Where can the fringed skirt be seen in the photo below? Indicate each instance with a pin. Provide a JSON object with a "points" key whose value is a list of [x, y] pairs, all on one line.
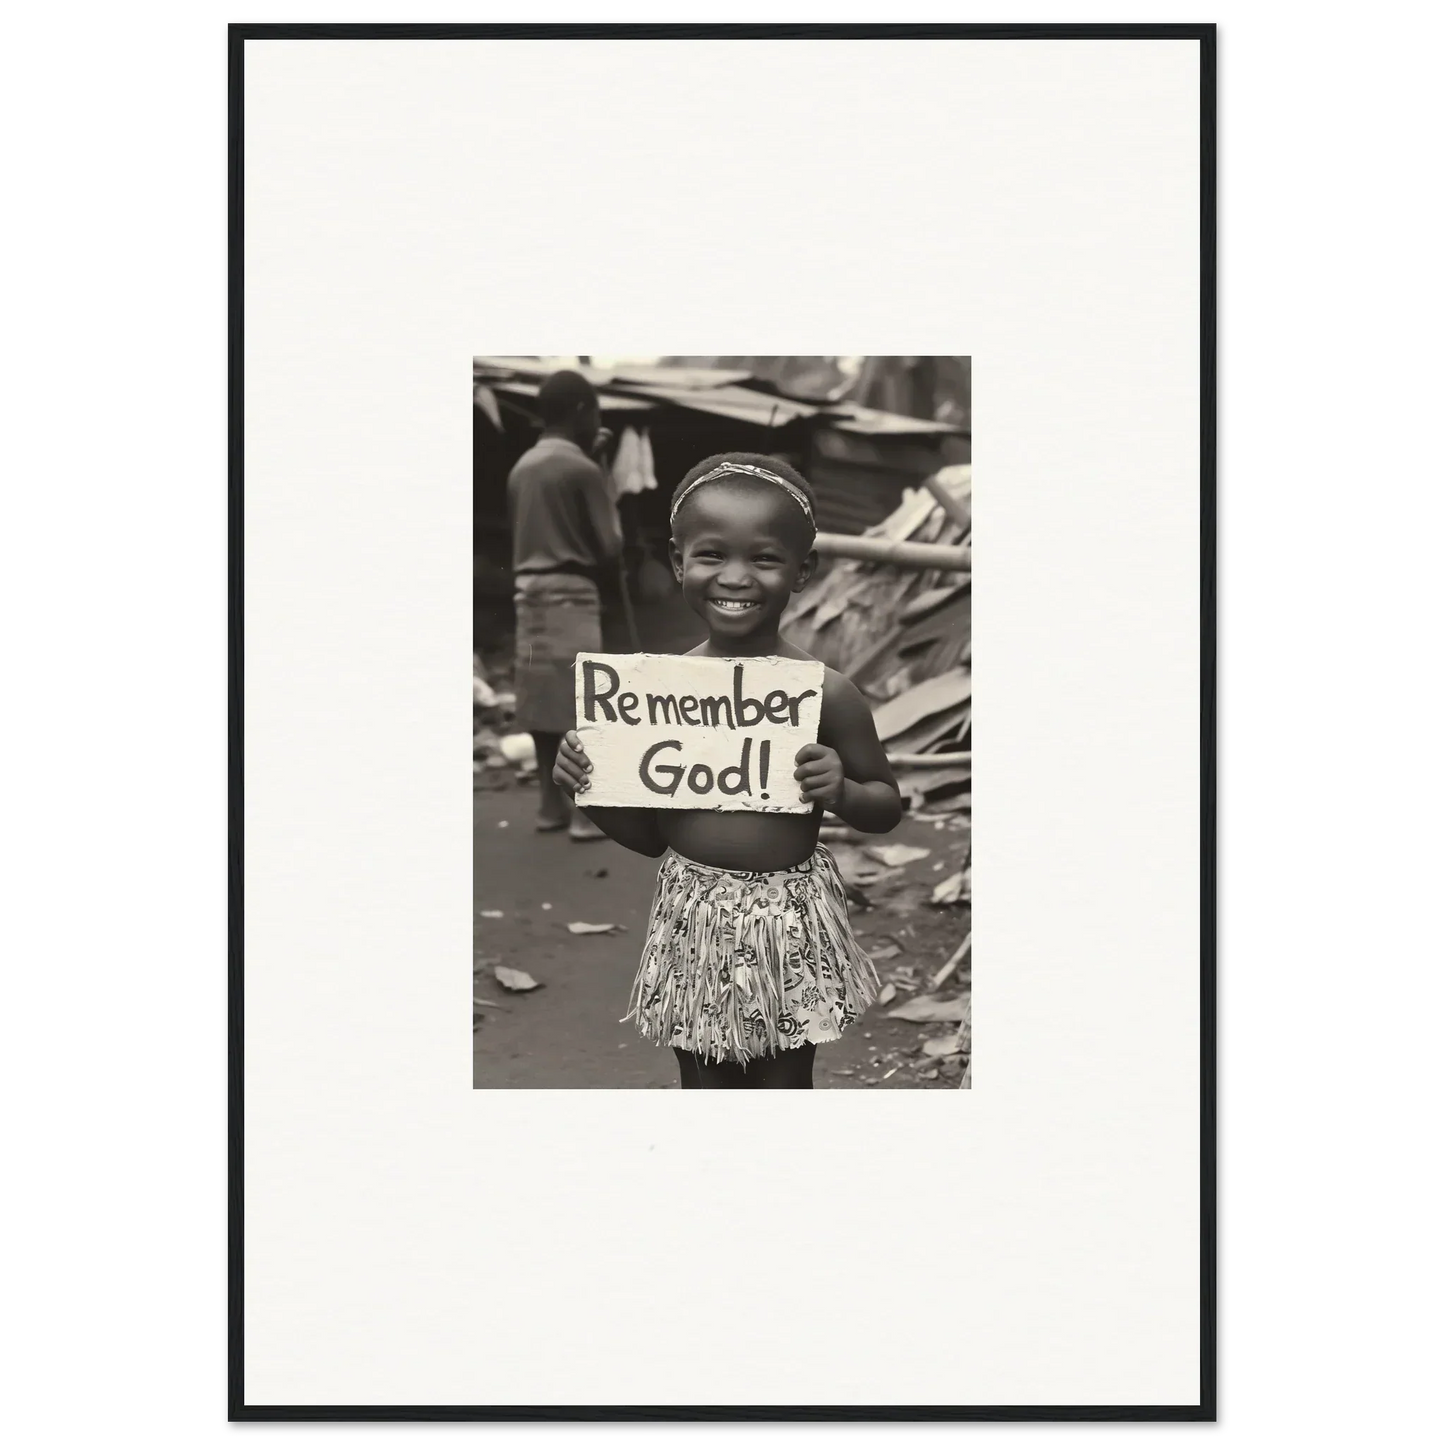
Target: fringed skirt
{"points": [[738, 965]]}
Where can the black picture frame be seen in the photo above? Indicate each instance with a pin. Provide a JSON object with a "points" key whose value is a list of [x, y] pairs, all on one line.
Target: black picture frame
{"points": [[1205, 1410]]}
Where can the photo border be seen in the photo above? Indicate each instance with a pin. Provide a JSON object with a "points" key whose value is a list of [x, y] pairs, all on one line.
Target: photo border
{"points": [[1205, 35]]}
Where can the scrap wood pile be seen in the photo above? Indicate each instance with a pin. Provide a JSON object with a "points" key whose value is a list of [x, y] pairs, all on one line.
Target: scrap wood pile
{"points": [[902, 634]]}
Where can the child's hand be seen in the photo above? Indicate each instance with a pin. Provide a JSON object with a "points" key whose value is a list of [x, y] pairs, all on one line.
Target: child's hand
{"points": [[820, 771], [572, 767]]}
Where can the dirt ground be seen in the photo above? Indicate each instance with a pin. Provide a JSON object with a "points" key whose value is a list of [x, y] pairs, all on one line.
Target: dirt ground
{"points": [[567, 1034]]}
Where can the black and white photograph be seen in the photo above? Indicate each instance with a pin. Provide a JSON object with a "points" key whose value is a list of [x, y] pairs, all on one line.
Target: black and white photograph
{"points": [[762, 565]]}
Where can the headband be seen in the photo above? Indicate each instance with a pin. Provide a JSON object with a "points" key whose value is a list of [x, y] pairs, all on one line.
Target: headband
{"points": [[799, 497]]}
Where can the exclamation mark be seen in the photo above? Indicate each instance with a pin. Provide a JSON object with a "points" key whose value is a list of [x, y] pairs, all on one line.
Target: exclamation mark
{"points": [[763, 766]]}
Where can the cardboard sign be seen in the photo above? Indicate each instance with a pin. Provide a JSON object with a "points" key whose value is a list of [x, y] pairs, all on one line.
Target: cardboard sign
{"points": [[696, 732]]}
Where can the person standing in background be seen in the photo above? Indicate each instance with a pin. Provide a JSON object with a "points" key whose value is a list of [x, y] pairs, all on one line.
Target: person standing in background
{"points": [[565, 531]]}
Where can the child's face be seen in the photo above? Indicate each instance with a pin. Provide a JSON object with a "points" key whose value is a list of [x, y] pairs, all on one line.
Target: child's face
{"points": [[739, 556]]}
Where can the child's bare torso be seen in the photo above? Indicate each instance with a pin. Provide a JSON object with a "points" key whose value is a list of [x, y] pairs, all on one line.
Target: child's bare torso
{"points": [[753, 842]]}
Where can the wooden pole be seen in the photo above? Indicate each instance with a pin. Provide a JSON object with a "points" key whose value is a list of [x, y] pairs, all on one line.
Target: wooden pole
{"points": [[627, 611], [948, 969], [918, 555]]}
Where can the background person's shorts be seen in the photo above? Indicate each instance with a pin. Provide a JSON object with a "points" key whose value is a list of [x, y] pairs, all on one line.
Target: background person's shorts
{"points": [[558, 615]]}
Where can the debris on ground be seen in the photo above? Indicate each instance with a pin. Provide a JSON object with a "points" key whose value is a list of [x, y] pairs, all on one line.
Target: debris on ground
{"points": [[913, 998], [857, 866], [500, 754], [930, 1009], [491, 913], [518, 748], [514, 979], [953, 889], [596, 928], [936, 1048], [896, 855]]}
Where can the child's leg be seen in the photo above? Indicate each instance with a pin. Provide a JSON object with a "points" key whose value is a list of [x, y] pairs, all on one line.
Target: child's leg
{"points": [[700, 1073], [786, 1069], [687, 1069]]}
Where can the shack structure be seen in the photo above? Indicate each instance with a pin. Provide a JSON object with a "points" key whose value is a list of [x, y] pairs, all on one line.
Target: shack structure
{"points": [[859, 458]]}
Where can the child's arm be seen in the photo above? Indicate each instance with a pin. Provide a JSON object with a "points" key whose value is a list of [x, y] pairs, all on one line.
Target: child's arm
{"points": [[634, 828], [846, 770]]}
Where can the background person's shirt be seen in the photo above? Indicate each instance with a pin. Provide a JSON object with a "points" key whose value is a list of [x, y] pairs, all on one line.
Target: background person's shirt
{"points": [[562, 513]]}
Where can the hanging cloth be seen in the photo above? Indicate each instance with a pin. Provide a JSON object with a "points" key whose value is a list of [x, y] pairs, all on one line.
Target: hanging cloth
{"points": [[632, 468], [644, 460]]}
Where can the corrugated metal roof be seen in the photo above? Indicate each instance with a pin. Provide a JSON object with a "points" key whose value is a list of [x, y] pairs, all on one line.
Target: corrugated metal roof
{"points": [[685, 378], [712, 390], [607, 400], [734, 402], [491, 367], [818, 379], [689, 378]]}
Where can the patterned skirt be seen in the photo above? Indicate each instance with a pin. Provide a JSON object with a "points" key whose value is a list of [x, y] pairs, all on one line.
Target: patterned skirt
{"points": [[739, 965]]}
